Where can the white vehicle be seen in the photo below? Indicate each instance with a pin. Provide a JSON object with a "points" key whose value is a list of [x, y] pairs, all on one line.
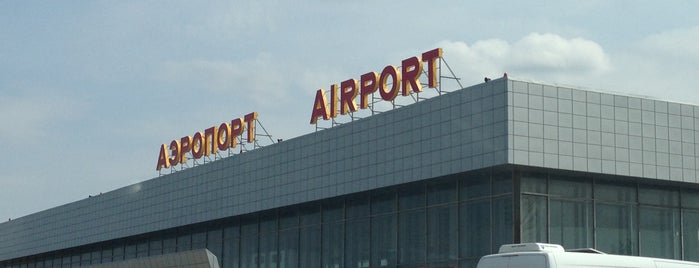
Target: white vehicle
{"points": [[538, 255]]}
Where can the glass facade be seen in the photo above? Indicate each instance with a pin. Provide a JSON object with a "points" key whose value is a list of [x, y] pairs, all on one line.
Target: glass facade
{"points": [[442, 222], [423, 224], [612, 215]]}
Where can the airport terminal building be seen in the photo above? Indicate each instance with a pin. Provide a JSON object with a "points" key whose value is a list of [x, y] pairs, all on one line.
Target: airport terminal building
{"points": [[438, 183]]}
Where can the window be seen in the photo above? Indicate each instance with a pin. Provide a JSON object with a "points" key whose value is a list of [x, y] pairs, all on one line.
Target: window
{"points": [[156, 247], [475, 228], [383, 241], [231, 246], [660, 229], [442, 227], [214, 242], [289, 248], [412, 196], [571, 223], [309, 242], [475, 186], [411, 237], [199, 239], [184, 242], [383, 201], [130, 251], [534, 218], [333, 242], [616, 229], [691, 234], [249, 243], [357, 244], [169, 244], [142, 249], [441, 192]]}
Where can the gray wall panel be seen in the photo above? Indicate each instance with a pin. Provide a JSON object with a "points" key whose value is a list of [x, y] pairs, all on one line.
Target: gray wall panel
{"points": [[602, 132]]}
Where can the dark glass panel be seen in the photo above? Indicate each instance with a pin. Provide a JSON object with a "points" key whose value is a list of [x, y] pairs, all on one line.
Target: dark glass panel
{"points": [[268, 250], [65, 262], [309, 242], [384, 236], [357, 244], [441, 192], [48, 262], [249, 226], [268, 223], [534, 182], [231, 247], [231, 231], [169, 244], [534, 219], [333, 210], [653, 195], [288, 218], [357, 206], [310, 214], [474, 185], [410, 197], [155, 247], [85, 259], [691, 235], [411, 237], [96, 257], [615, 192], [660, 229], [333, 242], [118, 252], [248, 251], [184, 242], [289, 248], [502, 182], [442, 227], [690, 198], [475, 228], [570, 187], [616, 229], [107, 255], [130, 251], [502, 221], [142, 249], [571, 223], [214, 242], [199, 239], [383, 201]]}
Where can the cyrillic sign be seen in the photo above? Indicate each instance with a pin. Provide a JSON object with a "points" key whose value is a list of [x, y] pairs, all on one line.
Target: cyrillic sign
{"points": [[210, 141]]}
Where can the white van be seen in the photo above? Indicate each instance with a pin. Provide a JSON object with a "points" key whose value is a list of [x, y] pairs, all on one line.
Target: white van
{"points": [[539, 255]]}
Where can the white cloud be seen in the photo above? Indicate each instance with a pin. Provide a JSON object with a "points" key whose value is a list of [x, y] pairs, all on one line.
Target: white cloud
{"points": [[552, 53], [543, 56]]}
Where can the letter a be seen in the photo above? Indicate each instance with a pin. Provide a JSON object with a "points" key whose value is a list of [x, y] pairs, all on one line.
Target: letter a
{"points": [[320, 107]]}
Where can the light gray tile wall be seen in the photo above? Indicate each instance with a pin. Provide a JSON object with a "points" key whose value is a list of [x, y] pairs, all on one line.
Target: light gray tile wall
{"points": [[456, 132], [573, 129]]}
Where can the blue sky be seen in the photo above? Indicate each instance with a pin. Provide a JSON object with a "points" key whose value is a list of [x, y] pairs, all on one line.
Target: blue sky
{"points": [[90, 89]]}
